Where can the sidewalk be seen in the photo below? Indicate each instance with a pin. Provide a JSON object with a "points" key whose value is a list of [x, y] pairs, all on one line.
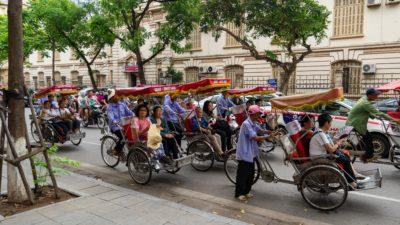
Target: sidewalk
{"points": [[101, 203]]}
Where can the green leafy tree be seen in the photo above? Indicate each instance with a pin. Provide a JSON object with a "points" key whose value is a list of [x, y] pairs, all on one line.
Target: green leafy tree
{"points": [[34, 37], [79, 26], [288, 23], [176, 76], [182, 16]]}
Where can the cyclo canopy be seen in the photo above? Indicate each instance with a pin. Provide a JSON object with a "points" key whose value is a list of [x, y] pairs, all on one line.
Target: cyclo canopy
{"points": [[392, 86], [57, 90], [260, 90]]}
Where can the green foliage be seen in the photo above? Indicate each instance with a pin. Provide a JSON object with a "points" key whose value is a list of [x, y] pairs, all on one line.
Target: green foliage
{"points": [[55, 161], [177, 76], [126, 17], [35, 38]]}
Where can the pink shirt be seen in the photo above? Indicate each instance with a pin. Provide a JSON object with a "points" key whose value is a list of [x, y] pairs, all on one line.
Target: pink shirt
{"points": [[141, 125]]}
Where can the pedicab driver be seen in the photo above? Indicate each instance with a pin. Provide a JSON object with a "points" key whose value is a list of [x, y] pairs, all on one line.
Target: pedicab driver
{"points": [[358, 119], [247, 149]]}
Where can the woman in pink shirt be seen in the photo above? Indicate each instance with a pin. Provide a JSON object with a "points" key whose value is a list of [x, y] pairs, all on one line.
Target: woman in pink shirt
{"points": [[141, 123]]}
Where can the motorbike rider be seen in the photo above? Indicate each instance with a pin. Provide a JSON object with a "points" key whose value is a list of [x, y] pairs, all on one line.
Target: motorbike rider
{"points": [[91, 102], [117, 110], [358, 119]]}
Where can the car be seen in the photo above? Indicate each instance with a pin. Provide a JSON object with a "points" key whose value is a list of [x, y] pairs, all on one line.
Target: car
{"points": [[387, 105], [339, 111]]}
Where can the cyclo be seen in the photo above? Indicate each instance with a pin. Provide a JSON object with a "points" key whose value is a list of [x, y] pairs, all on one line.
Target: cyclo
{"points": [[240, 113], [319, 179], [198, 144], [139, 159], [49, 131], [390, 130]]}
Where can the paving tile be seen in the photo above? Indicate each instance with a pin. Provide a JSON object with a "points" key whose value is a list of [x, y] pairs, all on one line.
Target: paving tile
{"points": [[87, 202], [74, 218], [104, 209], [96, 190], [58, 209], [121, 216], [29, 217], [127, 201], [96, 220], [190, 219], [112, 195]]}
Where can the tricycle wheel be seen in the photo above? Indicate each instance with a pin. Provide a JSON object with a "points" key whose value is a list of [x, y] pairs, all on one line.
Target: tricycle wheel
{"points": [[108, 144], [101, 122], [230, 167], [324, 187], [139, 166], [35, 132], [77, 142], [204, 155], [395, 156]]}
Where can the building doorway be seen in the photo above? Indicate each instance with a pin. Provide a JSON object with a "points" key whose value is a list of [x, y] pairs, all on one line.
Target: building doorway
{"points": [[347, 74]]}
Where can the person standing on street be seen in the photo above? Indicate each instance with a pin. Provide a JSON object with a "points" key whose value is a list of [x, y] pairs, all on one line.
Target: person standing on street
{"points": [[246, 152], [358, 119]]}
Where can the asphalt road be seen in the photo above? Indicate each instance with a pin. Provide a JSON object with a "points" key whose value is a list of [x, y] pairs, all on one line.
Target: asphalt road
{"points": [[378, 206]]}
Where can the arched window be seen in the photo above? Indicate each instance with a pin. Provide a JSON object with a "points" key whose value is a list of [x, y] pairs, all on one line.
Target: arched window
{"points": [[27, 79], [63, 80], [41, 79], [231, 41], [192, 74], [35, 82], [278, 73], [347, 74], [74, 77], [195, 39], [236, 74], [48, 81], [57, 77]]}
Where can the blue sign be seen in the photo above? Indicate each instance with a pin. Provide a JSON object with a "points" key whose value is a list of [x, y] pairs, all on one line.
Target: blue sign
{"points": [[273, 82]]}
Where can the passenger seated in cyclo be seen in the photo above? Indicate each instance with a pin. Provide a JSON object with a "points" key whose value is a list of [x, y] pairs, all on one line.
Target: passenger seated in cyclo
{"points": [[68, 118], [169, 143], [140, 127], [321, 143], [199, 124], [218, 125], [53, 115], [171, 113]]}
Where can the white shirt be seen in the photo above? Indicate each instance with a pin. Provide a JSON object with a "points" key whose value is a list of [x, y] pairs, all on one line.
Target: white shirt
{"points": [[317, 143], [64, 112]]}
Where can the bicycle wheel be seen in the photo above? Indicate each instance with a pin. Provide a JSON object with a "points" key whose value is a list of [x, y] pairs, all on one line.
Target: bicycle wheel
{"points": [[204, 155], [108, 144], [230, 167], [324, 187], [101, 122], [34, 132], [78, 141], [139, 166]]}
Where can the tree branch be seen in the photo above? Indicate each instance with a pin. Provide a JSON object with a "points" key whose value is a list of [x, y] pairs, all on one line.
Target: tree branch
{"points": [[249, 46], [96, 54], [143, 13], [156, 53]]}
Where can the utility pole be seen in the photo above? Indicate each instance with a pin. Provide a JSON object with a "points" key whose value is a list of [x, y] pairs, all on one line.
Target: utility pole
{"points": [[16, 119]]}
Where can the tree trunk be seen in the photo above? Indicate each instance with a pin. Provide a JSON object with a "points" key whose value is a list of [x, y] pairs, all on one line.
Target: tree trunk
{"points": [[53, 64], [91, 75], [16, 190], [285, 77], [139, 63]]}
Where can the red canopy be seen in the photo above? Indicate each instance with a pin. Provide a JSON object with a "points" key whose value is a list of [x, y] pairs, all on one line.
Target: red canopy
{"points": [[299, 102], [205, 86], [252, 91], [394, 85], [153, 90], [57, 89]]}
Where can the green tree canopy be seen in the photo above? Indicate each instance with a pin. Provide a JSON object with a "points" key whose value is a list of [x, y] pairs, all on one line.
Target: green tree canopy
{"points": [[80, 27], [128, 27], [289, 24]]}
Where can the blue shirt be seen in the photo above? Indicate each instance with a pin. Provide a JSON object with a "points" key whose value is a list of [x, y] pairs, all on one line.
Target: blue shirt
{"points": [[247, 149], [171, 109], [116, 111], [194, 123], [223, 105]]}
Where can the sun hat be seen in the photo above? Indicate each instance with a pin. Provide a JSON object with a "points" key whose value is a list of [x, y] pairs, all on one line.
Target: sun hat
{"points": [[253, 109], [111, 93]]}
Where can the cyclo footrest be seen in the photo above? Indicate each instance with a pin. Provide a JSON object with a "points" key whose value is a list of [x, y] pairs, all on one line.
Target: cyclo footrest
{"points": [[183, 161]]}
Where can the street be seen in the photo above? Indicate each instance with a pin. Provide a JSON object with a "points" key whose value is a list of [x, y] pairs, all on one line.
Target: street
{"points": [[377, 206]]}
